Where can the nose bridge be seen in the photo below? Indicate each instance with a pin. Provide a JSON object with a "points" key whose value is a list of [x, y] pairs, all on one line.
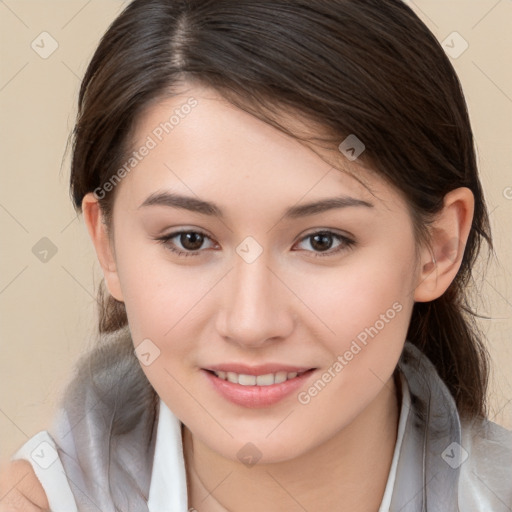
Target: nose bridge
{"points": [[255, 309]]}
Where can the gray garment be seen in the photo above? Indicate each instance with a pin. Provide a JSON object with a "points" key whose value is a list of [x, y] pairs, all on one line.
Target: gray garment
{"points": [[443, 465], [110, 414]]}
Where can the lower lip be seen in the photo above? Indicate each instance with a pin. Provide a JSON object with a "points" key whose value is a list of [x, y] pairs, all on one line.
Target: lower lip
{"points": [[256, 396]]}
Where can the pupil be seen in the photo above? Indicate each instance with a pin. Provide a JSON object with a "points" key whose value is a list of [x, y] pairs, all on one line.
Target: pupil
{"points": [[324, 244], [191, 241]]}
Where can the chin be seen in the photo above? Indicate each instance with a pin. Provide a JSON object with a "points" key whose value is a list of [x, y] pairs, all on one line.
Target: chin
{"points": [[252, 448]]}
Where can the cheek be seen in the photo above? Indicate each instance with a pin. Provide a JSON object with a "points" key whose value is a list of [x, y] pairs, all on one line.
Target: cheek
{"points": [[367, 310], [157, 292], [165, 303], [373, 287]]}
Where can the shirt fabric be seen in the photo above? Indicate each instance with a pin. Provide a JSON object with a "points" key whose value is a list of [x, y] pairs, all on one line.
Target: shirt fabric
{"points": [[439, 463]]}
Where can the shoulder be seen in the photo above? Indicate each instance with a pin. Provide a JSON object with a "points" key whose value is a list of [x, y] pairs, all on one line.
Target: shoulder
{"points": [[486, 465], [20, 489], [35, 478], [487, 439]]}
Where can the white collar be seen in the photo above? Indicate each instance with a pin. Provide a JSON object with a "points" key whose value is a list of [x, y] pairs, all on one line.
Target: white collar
{"points": [[168, 490], [404, 412]]}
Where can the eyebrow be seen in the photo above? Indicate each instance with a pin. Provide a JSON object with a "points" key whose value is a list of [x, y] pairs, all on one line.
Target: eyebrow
{"points": [[193, 204]]}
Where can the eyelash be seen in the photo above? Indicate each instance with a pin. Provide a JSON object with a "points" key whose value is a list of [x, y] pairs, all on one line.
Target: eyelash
{"points": [[347, 243]]}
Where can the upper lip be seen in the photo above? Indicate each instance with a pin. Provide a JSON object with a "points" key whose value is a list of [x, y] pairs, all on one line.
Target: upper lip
{"points": [[262, 369]]}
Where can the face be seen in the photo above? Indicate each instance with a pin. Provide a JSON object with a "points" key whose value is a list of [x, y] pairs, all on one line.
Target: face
{"points": [[256, 285]]}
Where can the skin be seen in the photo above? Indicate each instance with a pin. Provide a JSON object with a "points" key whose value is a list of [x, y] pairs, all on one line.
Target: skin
{"points": [[20, 489], [287, 306]]}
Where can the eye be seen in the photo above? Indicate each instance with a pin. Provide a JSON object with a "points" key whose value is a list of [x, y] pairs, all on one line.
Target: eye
{"points": [[190, 241], [323, 241]]}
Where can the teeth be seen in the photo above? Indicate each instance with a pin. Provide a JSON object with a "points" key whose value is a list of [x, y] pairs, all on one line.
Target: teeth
{"points": [[256, 380], [265, 380], [232, 377], [280, 377], [247, 380]]}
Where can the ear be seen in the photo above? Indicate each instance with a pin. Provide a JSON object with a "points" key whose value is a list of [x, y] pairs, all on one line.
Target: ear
{"points": [[441, 261], [97, 228]]}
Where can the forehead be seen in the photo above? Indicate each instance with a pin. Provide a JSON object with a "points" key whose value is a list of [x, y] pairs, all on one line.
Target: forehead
{"points": [[197, 142]]}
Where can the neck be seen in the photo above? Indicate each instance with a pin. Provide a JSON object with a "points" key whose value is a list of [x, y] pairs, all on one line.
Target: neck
{"points": [[349, 472]]}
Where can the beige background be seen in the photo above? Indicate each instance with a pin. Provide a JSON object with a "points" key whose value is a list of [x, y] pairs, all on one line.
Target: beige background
{"points": [[48, 309]]}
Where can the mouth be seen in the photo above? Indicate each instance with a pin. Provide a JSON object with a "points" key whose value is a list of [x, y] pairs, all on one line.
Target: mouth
{"points": [[257, 390]]}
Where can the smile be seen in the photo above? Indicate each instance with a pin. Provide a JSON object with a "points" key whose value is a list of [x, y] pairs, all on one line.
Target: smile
{"points": [[256, 391]]}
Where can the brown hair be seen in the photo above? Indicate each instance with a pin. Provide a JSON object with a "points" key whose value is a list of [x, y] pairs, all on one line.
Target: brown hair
{"points": [[364, 67]]}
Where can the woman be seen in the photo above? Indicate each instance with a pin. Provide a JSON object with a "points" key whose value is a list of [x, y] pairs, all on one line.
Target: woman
{"points": [[285, 203]]}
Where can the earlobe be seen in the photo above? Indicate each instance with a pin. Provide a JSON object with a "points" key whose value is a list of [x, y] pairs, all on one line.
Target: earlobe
{"points": [[441, 261], [102, 243]]}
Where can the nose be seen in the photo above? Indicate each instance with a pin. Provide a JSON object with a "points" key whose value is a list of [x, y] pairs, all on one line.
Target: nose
{"points": [[256, 307]]}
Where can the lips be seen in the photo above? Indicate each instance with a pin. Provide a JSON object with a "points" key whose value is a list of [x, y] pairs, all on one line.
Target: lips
{"points": [[256, 386]]}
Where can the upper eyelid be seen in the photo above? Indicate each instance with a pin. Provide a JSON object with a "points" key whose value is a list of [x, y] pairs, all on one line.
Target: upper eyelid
{"points": [[315, 231]]}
